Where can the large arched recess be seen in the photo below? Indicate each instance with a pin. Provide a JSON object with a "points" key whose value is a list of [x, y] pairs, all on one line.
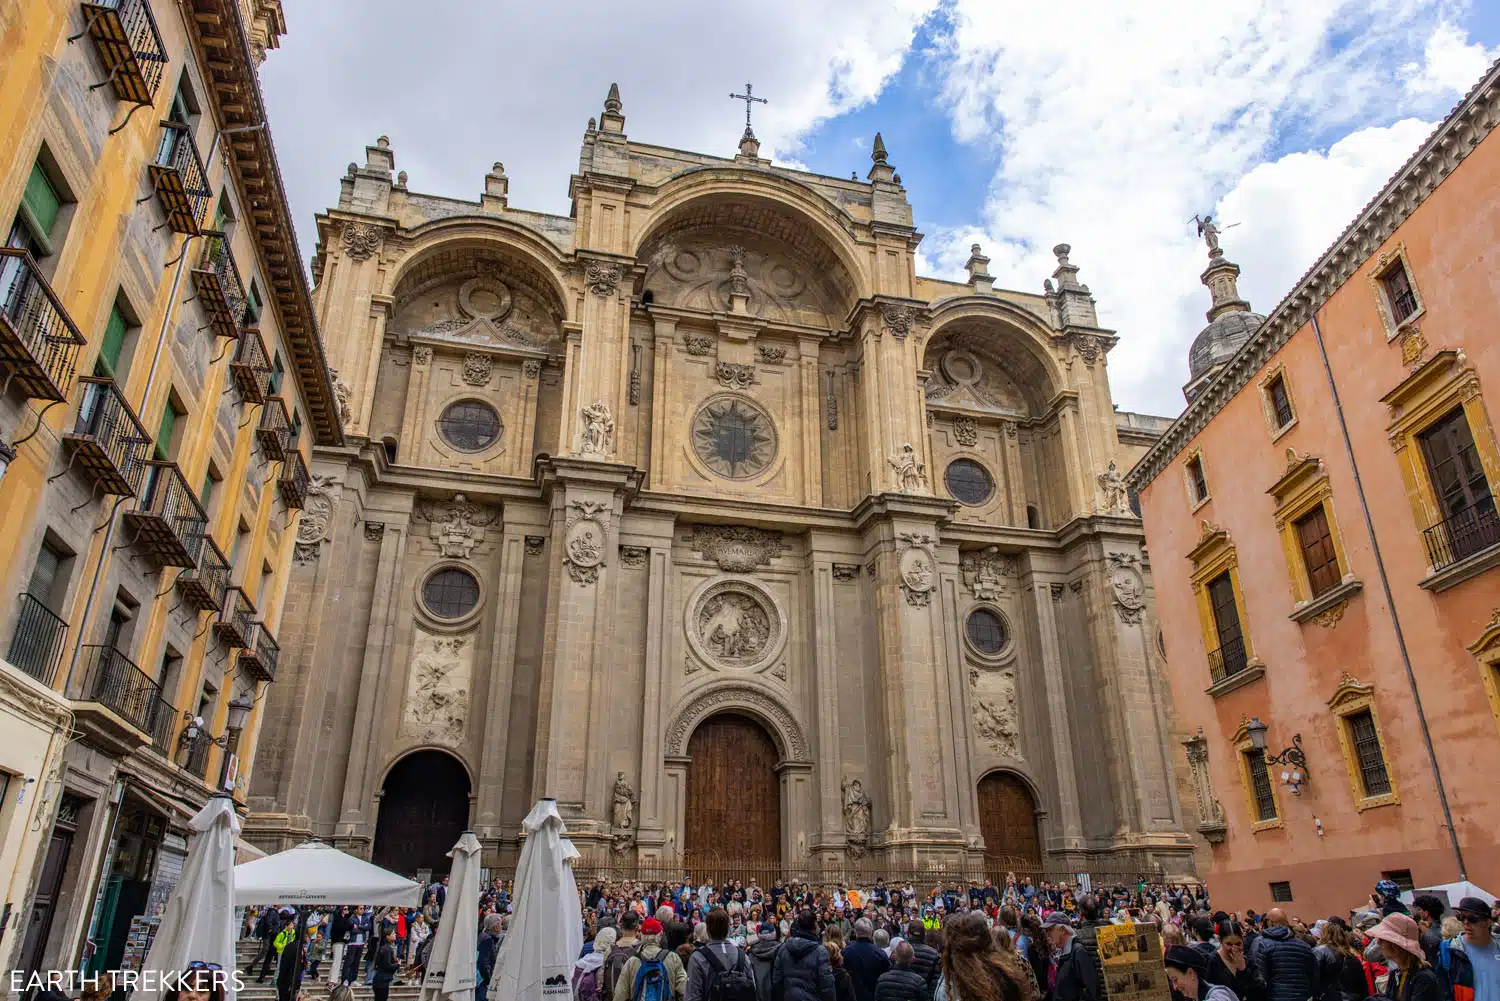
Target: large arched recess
{"points": [[1010, 821], [691, 199], [424, 807], [536, 259], [1018, 340]]}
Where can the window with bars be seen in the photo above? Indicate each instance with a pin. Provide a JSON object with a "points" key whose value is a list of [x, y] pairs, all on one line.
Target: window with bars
{"points": [[1401, 877], [1196, 479], [1373, 777], [1398, 291], [1260, 785], [1281, 892], [1281, 401], [1318, 555]]}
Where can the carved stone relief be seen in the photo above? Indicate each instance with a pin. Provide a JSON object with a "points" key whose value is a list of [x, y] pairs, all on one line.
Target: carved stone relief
{"points": [[304, 553], [531, 368], [1115, 493], [698, 272], [996, 716], [737, 548], [1210, 811], [911, 473], [374, 531], [603, 279], [633, 557], [771, 354], [846, 573], [421, 355], [458, 527], [898, 320], [966, 432], [733, 376], [598, 436], [988, 573], [323, 494], [698, 344], [361, 240], [438, 685], [1128, 585], [735, 624], [534, 544], [918, 567], [790, 738], [584, 550], [477, 368], [856, 816]]}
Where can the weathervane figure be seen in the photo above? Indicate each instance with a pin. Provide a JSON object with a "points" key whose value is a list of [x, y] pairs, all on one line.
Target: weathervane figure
{"points": [[1209, 230], [749, 98]]}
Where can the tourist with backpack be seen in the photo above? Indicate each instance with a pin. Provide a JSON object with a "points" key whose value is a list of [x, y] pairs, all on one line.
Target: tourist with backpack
{"points": [[588, 983], [627, 944], [654, 973], [720, 971]]}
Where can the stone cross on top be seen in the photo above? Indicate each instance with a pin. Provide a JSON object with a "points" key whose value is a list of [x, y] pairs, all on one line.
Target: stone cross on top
{"points": [[749, 98]]}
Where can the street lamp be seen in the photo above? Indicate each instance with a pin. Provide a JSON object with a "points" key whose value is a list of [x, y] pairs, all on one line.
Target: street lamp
{"points": [[234, 723], [1292, 758]]}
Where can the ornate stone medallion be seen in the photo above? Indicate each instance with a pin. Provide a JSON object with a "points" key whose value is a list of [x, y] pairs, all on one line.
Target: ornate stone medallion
{"points": [[733, 437], [486, 298], [735, 624]]}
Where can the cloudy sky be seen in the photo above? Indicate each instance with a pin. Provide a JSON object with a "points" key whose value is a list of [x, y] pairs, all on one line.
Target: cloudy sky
{"points": [[1102, 123]]}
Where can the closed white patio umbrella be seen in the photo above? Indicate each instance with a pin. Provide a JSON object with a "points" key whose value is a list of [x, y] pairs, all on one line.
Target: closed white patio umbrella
{"points": [[546, 932], [451, 962]]}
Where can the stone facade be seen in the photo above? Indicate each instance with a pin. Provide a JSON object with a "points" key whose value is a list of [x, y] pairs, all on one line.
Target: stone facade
{"points": [[691, 450]]}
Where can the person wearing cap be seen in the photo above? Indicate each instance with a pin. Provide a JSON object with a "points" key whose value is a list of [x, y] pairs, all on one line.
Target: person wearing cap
{"points": [[1187, 972], [1472, 961], [1071, 972], [651, 949], [1412, 979]]}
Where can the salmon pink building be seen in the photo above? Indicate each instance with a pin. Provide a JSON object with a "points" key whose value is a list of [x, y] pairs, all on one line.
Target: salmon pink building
{"points": [[1322, 529]]}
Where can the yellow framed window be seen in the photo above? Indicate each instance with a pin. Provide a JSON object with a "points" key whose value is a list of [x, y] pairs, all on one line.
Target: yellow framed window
{"points": [[1262, 805], [1486, 650], [1370, 779], [1316, 564], [1221, 612], [1276, 401]]}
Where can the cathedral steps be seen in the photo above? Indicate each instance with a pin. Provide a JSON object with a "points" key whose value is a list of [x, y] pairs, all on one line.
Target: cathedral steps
{"points": [[248, 948]]}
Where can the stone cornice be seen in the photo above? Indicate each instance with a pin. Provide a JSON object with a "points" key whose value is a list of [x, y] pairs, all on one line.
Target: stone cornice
{"points": [[221, 46], [1470, 122]]}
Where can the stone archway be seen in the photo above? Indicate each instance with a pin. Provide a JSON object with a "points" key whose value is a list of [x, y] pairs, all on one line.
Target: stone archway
{"points": [[733, 792], [1008, 820], [424, 807]]}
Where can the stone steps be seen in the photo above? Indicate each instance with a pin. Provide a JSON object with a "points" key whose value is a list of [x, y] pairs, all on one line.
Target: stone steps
{"points": [[246, 950]]}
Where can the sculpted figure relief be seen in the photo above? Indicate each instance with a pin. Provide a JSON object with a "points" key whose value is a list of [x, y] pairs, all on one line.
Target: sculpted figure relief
{"points": [[598, 429], [1116, 494], [911, 474], [734, 626]]}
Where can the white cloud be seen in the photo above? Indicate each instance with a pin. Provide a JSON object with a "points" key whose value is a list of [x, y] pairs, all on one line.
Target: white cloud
{"points": [[1450, 63], [457, 89], [1113, 130]]}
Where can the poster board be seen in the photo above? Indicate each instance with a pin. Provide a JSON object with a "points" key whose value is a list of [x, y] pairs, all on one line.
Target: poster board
{"points": [[138, 941], [1131, 957]]}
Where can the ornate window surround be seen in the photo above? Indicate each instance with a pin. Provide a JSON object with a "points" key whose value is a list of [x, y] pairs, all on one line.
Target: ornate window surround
{"points": [[1303, 488], [1194, 501], [1430, 392], [1215, 554], [435, 623], [1274, 371], [1007, 653], [1376, 277], [1486, 650], [1242, 747], [1349, 698]]}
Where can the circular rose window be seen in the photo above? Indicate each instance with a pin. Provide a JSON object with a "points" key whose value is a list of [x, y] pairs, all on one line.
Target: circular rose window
{"points": [[986, 631], [733, 437], [469, 425], [450, 593], [968, 482]]}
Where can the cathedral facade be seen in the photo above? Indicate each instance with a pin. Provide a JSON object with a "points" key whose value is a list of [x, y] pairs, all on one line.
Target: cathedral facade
{"points": [[701, 512]]}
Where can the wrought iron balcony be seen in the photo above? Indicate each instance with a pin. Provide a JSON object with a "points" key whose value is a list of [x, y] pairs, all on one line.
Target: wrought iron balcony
{"points": [[219, 288], [38, 639], [1228, 660], [168, 520], [259, 657], [129, 45], [205, 586], [293, 480], [164, 721], [1469, 531], [178, 178], [251, 368], [236, 624], [114, 682], [275, 430], [38, 341], [108, 439], [197, 753]]}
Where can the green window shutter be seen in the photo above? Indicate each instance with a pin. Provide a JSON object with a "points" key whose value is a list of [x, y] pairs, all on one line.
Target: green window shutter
{"points": [[208, 490], [41, 199], [277, 371], [169, 417], [114, 342]]}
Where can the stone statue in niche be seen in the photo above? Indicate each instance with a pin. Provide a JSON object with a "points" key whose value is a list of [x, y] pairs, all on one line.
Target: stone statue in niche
{"points": [[622, 815], [911, 474], [598, 429], [856, 817], [1116, 494]]}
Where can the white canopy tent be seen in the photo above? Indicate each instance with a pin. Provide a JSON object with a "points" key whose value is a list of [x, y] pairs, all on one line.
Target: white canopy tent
{"points": [[314, 873], [1451, 892]]}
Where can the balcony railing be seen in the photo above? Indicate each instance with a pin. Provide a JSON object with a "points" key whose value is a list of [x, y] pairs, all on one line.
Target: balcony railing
{"points": [[116, 683], [293, 480], [178, 178], [38, 341], [236, 624], [129, 45], [204, 587], [197, 753], [275, 430], [251, 368], [108, 439], [219, 288], [1228, 660], [1464, 534], [38, 639], [168, 520], [164, 720], [260, 656]]}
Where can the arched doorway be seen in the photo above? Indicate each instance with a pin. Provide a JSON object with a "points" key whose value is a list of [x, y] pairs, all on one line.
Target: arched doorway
{"points": [[733, 792], [1007, 818], [423, 810]]}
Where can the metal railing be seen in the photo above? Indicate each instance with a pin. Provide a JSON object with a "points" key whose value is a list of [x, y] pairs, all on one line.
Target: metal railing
{"points": [[111, 438], [293, 480], [114, 681], [130, 46], [251, 368], [275, 429], [1463, 534], [169, 519], [179, 178], [164, 720], [236, 624], [38, 341], [38, 640], [197, 753], [1228, 660], [261, 653], [218, 284], [204, 587]]}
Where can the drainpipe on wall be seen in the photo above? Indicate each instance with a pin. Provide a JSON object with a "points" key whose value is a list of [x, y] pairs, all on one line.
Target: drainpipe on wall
{"points": [[1390, 604]]}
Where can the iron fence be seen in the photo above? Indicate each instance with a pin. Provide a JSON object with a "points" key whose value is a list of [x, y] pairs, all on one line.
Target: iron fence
{"points": [[1463, 534], [38, 639]]}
